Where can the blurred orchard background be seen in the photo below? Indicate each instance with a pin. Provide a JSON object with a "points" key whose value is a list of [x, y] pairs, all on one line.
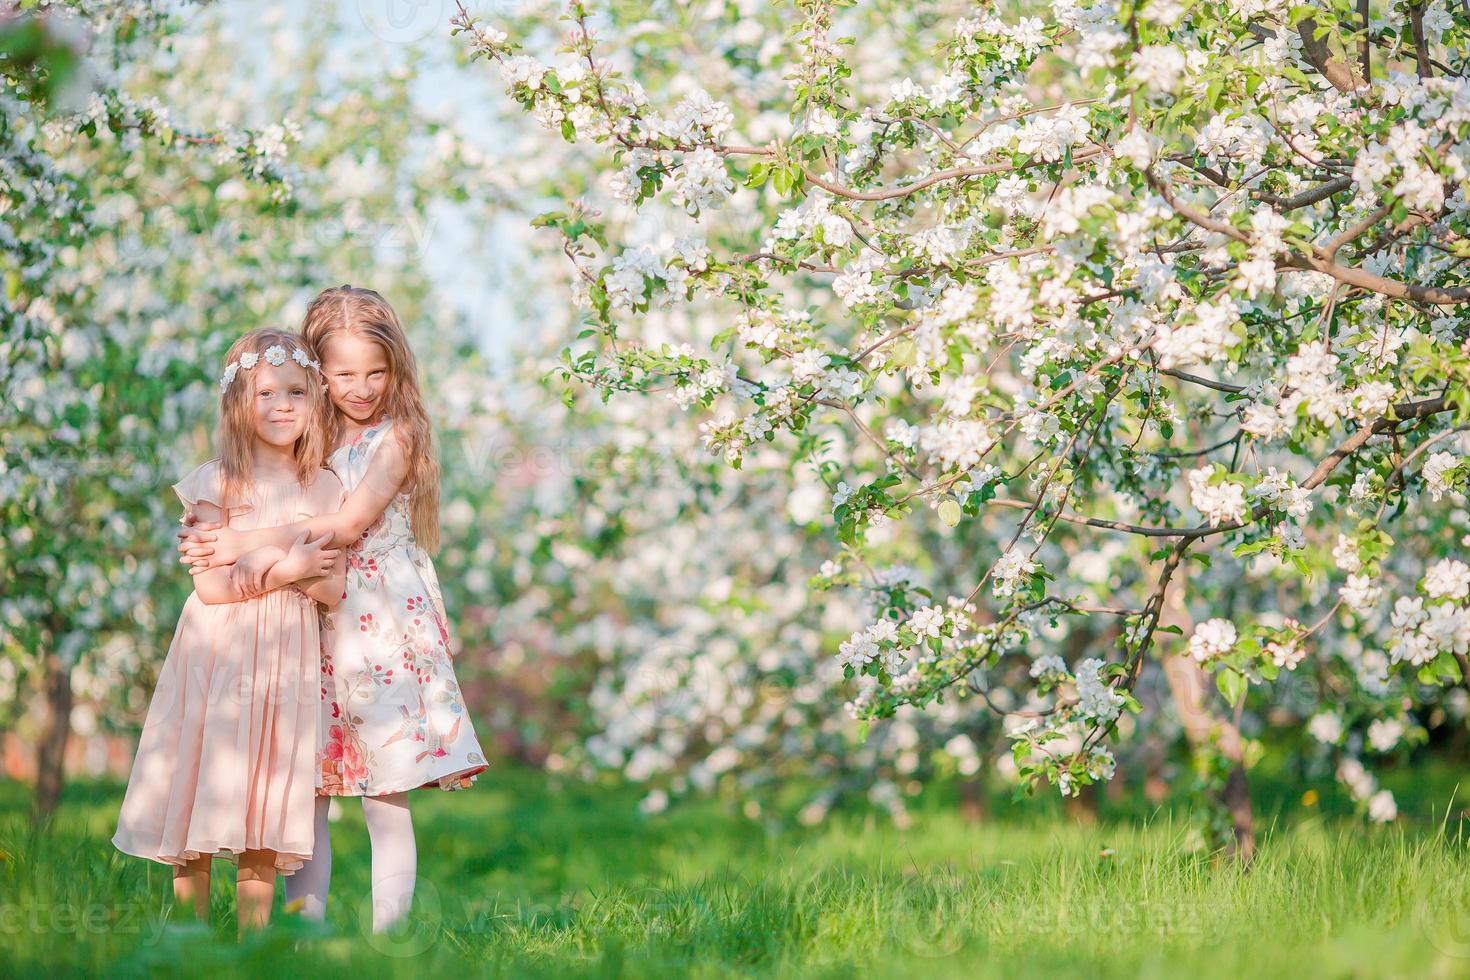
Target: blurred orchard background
{"points": [[622, 601], [839, 404]]}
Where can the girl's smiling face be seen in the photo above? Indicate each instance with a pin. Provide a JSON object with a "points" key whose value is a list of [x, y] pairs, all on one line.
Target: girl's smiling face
{"points": [[280, 407], [357, 376]]}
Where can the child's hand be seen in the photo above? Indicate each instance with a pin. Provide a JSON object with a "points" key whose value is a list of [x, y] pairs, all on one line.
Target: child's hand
{"points": [[194, 537], [204, 545], [247, 575], [308, 559]]}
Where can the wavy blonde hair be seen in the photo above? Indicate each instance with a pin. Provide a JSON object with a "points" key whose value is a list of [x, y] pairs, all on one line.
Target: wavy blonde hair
{"points": [[236, 437], [366, 314]]}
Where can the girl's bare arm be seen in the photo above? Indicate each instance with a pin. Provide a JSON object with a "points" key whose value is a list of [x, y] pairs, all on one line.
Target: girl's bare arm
{"points": [[365, 504], [327, 589]]}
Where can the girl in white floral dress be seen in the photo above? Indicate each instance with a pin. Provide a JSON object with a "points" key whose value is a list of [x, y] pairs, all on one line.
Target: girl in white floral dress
{"points": [[393, 717]]}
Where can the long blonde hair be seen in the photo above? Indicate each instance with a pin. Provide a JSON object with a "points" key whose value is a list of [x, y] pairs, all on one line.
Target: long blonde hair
{"points": [[364, 313], [236, 438]]}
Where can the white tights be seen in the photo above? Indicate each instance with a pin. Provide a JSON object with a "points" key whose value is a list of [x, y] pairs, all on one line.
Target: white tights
{"points": [[309, 883], [395, 861]]}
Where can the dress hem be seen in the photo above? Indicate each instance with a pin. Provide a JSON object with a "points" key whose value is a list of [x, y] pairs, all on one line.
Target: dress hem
{"points": [[436, 782], [295, 860]]}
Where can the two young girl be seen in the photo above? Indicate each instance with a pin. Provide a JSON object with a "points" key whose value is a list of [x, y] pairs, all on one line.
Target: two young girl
{"points": [[390, 715]]}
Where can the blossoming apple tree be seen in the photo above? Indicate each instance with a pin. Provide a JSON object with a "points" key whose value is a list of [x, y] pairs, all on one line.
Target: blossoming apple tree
{"points": [[1178, 287], [142, 234]]}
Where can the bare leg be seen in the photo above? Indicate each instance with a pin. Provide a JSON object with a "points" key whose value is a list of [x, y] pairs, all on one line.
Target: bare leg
{"points": [[310, 882], [255, 889], [395, 857], [191, 886]]}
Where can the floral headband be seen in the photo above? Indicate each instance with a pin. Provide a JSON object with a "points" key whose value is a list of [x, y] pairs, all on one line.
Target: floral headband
{"points": [[274, 354]]}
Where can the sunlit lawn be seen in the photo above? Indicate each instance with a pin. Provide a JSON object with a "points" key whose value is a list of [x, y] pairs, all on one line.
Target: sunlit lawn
{"points": [[520, 879]]}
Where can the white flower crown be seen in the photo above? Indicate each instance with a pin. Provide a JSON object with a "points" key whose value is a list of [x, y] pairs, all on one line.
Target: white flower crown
{"points": [[274, 354]]}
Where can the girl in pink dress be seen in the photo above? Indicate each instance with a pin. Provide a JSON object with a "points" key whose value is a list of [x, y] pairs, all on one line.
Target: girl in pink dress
{"points": [[393, 716], [226, 762]]}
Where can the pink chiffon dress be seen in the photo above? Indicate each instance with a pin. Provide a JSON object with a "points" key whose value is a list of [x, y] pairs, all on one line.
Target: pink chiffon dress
{"points": [[227, 759]]}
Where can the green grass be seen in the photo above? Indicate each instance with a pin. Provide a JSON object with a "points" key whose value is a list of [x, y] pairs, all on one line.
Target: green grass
{"points": [[522, 879]]}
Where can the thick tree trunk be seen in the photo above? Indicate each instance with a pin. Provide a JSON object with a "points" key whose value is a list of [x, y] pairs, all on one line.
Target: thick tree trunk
{"points": [[55, 730], [1190, 688], [1083, 807], [974, 807]]}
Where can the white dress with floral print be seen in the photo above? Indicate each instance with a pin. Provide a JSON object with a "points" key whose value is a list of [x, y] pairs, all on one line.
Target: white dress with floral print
{"points": [[393, 715]]}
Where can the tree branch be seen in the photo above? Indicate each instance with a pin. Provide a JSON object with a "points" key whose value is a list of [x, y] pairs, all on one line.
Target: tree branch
{"points": [[1307, 197], [935, 178], [1421, 46], [1435, 295], [1319, 55]]}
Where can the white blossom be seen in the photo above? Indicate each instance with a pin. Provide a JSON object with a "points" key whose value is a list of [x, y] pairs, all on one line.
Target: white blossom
{"points": [[1212, 638]]}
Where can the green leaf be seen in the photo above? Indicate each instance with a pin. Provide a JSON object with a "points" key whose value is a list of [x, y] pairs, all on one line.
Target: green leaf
{"points": [[1448, 667], [949, 513], [1232, 684]]}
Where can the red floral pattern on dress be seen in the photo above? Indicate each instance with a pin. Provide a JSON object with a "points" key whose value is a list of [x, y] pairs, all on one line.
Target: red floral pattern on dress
{"points": [[397, 720]]}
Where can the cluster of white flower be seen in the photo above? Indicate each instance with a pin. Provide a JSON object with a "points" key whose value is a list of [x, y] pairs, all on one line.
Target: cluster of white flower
{"points": [[724, 434], [798, 224], [1345, 554], [1158, 68], [522, 70], [1264, 421], [1311, 374], [1012, 296], [1423, 629], [706, 383], [855, 286], [866, 645], [1212, 638], [768, 330], [1364, 788], [1011, 571], [1242, 140], [626, 183], [1447, 579], [1064, 215], [1096, 698], [1049, 666], [1436, 472], [627, 284], [1099, 764], [1048, 137], [1280, 490], [1097, 39], [817, 367], [1286, 653], [701, 182], [1041, 428], [1360, 593], [956, 443], [1219, 503], [1384, 733], [699, 118], [1326, 727], [927, 622], [1200, 339]]}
